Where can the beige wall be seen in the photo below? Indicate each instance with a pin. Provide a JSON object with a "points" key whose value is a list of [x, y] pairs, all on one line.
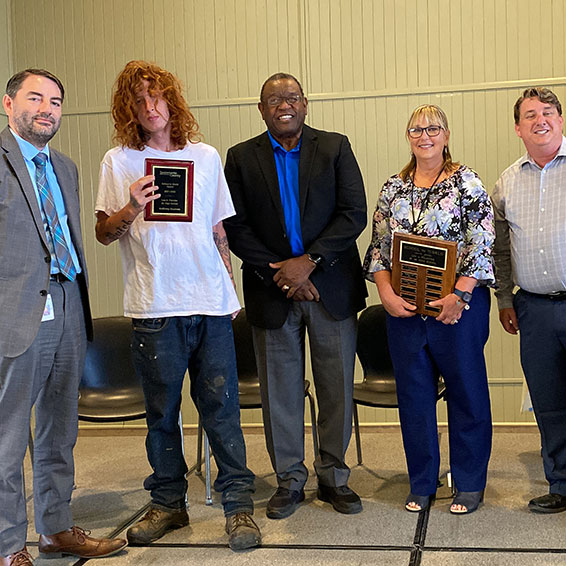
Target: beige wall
{"points": [[364, 65], [5, 49]]}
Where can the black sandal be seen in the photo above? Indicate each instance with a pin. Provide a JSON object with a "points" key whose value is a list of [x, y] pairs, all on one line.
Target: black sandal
{"points": [[423, 501], [469, 499]]}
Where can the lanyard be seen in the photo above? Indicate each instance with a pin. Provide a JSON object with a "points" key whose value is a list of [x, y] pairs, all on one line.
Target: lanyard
{"points": [[424, 202]]}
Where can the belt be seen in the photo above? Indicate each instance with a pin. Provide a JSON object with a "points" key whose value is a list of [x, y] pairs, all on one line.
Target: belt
{"points": [[59, 277], [558, 296]]}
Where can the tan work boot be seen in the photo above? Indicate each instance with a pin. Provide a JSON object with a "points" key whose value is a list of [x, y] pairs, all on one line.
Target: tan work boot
{"points": [[242, 531]]}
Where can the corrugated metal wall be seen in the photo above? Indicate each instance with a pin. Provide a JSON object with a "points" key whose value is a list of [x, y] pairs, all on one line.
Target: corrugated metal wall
{"points": [[365, 64]]}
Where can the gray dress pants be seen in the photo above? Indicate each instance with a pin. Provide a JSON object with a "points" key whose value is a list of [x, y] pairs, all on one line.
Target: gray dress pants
{"points": [[280, 355], [47, 375]]}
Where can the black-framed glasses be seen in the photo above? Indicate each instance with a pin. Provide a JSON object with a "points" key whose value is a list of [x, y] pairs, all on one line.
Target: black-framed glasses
{"points": [[291, 100], [417, 132]]}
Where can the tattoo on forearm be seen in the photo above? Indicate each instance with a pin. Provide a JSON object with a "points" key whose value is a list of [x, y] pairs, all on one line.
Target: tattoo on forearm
{"points": [[120, 231], [222, 245], [135, 203]]}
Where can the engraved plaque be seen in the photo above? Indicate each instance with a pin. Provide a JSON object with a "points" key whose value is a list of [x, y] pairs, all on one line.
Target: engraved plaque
{"points": [[174, 180], [423, 270]]}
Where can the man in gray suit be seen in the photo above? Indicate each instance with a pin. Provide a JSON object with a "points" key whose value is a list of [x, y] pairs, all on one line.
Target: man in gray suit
{"points": [[44, 323]]}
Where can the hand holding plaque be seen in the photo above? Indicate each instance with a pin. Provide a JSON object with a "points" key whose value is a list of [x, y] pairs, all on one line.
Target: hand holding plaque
{"points": [[423, 270], [175, 181]]}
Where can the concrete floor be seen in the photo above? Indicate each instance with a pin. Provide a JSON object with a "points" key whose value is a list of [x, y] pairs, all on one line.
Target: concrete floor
{"points": [[111, 469]]}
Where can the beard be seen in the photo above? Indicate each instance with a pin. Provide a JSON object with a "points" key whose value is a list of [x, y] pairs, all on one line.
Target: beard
{"points": [[35, 133]]}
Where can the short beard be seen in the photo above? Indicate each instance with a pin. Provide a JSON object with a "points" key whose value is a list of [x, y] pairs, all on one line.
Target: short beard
{"points": [[26, 130]]}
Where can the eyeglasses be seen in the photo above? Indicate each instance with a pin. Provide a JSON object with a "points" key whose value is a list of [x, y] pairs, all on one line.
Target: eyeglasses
{"points": [[291, 100], [417, 132]]}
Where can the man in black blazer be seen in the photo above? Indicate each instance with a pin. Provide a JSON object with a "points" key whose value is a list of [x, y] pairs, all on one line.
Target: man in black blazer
{"points": [[300, 206], [44, 323]]}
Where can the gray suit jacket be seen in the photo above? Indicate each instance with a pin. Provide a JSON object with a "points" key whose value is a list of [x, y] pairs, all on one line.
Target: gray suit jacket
{"points": [[24, 254]]}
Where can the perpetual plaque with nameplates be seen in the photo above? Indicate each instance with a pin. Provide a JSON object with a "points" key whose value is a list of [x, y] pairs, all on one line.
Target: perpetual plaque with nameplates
{"points": [[423, 270]]}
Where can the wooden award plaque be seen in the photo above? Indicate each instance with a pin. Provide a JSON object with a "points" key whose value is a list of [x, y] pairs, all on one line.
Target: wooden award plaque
{"points": [[174, 180], [423, 270]]}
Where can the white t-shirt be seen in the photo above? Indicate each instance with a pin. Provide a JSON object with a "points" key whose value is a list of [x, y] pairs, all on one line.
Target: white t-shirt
{"points": [[171, 268]]}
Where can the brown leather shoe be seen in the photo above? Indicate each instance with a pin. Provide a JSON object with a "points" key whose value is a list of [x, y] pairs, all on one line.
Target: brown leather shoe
{"points": [[20, 558], [76, 542]]}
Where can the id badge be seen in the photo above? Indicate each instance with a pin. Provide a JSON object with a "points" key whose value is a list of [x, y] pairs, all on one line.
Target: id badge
{"points": [[48, 313]]}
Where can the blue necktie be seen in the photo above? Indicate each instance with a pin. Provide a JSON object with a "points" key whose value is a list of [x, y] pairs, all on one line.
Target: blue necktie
{"points": [[58, 245]]}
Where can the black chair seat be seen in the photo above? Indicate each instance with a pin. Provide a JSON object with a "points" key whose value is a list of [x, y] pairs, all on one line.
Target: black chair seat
{"points": [[111, 406], [378, 388], [376, 394], [382, 392], [248, 391], [110, 390]]}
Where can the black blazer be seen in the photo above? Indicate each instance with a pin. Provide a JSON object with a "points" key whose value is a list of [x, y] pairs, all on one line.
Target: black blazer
{"points": [[333, 214]]}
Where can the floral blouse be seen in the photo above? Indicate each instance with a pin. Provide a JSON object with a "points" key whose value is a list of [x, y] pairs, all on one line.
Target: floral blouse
{"points": [[456, 209]]}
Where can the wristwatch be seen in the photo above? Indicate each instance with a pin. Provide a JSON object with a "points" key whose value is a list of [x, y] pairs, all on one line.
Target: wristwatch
{"points": [[464, 295], [315, 258]]}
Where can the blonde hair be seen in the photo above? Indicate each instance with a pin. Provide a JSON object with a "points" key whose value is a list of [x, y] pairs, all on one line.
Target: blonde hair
{"points": [[127, 129], [433, 115]]}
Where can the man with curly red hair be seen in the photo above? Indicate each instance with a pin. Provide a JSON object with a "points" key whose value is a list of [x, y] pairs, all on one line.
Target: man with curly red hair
{"points": [[179, 291]]}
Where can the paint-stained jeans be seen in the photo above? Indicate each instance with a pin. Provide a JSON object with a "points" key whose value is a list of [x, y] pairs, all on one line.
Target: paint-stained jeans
{"points": [[163, 349]]}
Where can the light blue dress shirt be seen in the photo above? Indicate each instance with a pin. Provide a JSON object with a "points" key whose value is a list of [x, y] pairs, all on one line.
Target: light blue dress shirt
{"points": [[29, 151]]}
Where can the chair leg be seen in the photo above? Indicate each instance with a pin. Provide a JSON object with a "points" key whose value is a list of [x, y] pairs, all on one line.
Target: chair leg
{"points": [[198, 466], [357, 434], [182, 435], [449, 480], [24, 483], [313, 424], [30, 448], [30, 445], [208, 497]]}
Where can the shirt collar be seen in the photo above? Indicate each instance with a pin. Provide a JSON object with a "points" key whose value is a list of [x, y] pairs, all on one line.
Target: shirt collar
{"points": [[528, 159], [29, 151], [276, 145]]}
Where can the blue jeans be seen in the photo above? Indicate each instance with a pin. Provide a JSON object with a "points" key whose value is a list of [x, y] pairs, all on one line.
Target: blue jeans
{"points": [[163, 349]]}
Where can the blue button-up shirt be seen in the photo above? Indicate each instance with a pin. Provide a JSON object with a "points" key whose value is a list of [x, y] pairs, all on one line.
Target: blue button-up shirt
{"points": [[287, 163], [29, 151]]}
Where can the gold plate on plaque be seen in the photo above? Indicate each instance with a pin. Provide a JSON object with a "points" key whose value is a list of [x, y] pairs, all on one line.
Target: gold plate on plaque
{"points": [[423, 270]]}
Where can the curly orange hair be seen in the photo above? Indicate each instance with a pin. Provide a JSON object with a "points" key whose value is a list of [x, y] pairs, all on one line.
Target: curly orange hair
{"points": [[128, 132]]}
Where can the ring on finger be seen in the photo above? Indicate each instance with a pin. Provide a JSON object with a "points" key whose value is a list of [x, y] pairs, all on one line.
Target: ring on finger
{"points": [[285, 287]]}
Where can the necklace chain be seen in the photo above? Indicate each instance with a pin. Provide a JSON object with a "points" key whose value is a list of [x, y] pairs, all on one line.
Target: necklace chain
{"points": [[424, 201]]}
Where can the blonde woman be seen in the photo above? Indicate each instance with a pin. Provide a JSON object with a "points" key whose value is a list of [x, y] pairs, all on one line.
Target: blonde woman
{"points": [[435, 197]]}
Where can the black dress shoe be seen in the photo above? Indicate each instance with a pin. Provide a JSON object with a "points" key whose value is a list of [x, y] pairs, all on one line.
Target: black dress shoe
{"points": [[550, 503], [343, 499], [284, 502]]}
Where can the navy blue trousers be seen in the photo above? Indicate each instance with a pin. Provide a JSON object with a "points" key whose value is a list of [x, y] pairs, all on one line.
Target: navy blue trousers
{"points": [[421, 350], [542, 329]]}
